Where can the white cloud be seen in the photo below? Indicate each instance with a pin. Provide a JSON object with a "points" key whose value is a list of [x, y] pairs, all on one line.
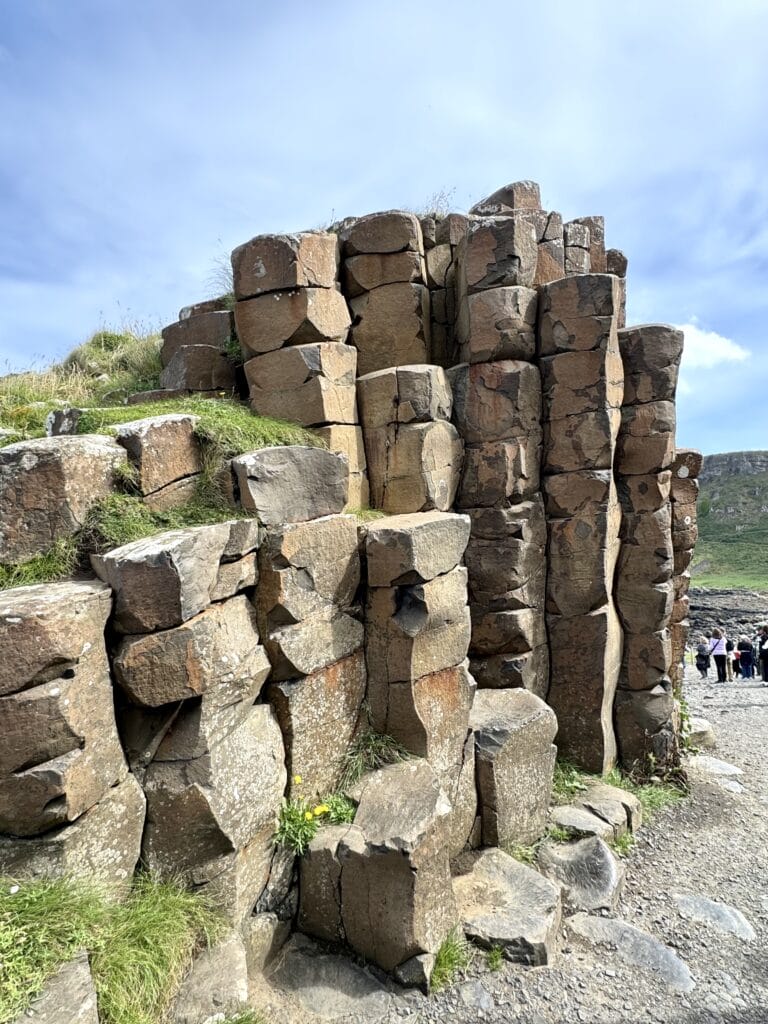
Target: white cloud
{"points": [[707, 349]]}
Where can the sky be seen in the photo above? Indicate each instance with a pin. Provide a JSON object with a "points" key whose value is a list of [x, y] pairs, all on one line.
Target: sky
{"points": [[141, 142]]}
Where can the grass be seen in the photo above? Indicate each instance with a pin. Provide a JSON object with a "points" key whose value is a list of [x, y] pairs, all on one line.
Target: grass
{"points": [[732, 552], [622, 845], [367, 515], [245, 1016], [59, 562], [653, 796], [525, 854], [300, 820], [367, 752], [568, 781], [454, 955], [139, 949], [558, 834], [494, 958]]}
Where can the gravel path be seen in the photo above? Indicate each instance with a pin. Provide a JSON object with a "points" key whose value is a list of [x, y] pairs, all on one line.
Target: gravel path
{"points": [[714, 844]]}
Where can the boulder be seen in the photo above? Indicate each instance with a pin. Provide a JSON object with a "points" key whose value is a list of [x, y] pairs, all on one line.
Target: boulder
{"points": [[300, 317], [173, 495], [578, 314], [292, 483], [387, 232], [506, 904], [47, 629], [616, 262], [590, 874], [585, 652], [651, 355], [211, 820], [687, 463], [102, 845], [318, 716], [214, 328], [578, 821], [518, 195], [162, 449], [47, 486], [499, 473], [216, 983], [498, 323], [390, 326], [414, 467], [496, 252], [495, 401], [162, 581], [597, 258], [515, 760], [68, 996], [272, 263], [414, 548], [235, 577], [396, 895], [404, 394], [372, 270], [346, 440], [198, 368], [701, 734], [617, 806], [309, 384]]}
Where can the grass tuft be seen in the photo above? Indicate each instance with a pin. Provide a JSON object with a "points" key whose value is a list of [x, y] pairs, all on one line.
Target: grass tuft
{"points": [[569, 781], [494, 958], [558, 834], [245, 1016], [300, 820], [454, 955], [623, 844], [525, 854], [57, 563], [367, 515], [367, 752]]}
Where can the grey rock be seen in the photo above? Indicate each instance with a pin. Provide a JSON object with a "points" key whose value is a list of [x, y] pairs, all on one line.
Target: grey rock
{"points": [[580, 821], [217, 983], [591, 876], [635, 947], [416, 972], [264, 935], [68, 997], [721, 916], [414, 548], [713, 766], [292, 483], [505, 903]]}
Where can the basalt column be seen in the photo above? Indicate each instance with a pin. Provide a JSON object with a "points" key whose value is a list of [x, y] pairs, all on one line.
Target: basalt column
{"points": [[644, 589], [582, 382], [442, 236], [684, 493], [497, 410]]}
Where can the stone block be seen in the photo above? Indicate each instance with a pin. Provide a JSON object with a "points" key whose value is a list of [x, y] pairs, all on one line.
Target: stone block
{"points": [[518, 195], [684, 490], [575, 383], [172, 495], [390, 326], [372, 270], [583, 519], [47, 629], [646, 440], [640, 716], [346, 440], [577, 314], [506, 553], [318, 715], [271, 263], [300, 317], [216, 983], [590, 873], [581, 442], [510, 630], [211, 820], [687, 463], [68, 996], [651, 354], [101, 846], [496, 252], [404, 394], [501, 671], [198, 368], [217, 305], [646, 493], [514, 763], [496, 401], [498, 473], [164, 580], [576, 239], [646, 661], [429, 230], [685, 531], [309, 384], [320, 886], [438, 263], [47, 486], [498, 323], [395, 870], [646, 546], [585, 654], [387, 232], [412, 549], [642, 607], [214, 328], [616, 262], [292, 483], [451, 229], [235, 577], [597, 259], [414, 467], [162, 449]]}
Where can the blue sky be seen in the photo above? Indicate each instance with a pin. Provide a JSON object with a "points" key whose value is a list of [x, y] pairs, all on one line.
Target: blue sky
{"points": [[140, 142]]}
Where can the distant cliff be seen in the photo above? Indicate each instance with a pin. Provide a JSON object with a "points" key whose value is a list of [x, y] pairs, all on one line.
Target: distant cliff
{"points": [[733, 464]]}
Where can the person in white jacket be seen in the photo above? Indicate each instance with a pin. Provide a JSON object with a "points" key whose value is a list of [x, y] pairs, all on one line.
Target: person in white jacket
{"points": [[719, 653]]}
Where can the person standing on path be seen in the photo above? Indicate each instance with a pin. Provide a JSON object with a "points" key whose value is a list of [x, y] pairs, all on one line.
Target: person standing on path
{"points": [[702, 657], [763, 652], [729, 660], [718, 652], [746, 656]]}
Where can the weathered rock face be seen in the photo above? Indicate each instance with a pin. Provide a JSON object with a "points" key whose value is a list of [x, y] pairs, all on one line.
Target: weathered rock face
{"points": [[589, 872], [404, 394], [414, 467], [292, 483], [391, 325], [412, 549], [515, 760], [367, 271], [310, 384], [212, 328], [347, 440], [499, 323], [68, 996], [198, 368], [301, 317], [47, 486], [162, 450], [496, 252], [518, 195], [273, 263]]}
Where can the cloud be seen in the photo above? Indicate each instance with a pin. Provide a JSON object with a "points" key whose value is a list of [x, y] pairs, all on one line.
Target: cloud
{"points": [[707, 349]]}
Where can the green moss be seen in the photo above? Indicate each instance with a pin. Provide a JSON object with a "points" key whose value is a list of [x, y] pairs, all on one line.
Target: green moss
{"points": [[568, 781], [653, 796]]}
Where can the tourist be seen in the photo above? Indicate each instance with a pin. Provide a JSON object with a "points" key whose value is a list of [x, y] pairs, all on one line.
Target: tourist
{"points": [[702, 657], [735, 662], [746, 657], [763, 652], [718, 652], [729, 645]]}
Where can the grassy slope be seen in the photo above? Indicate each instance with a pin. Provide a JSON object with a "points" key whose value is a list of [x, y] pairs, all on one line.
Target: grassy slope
{"points": [[733, 533]]}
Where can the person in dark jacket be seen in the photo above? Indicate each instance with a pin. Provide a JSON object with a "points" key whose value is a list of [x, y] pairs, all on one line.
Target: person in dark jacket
{"points": [[702, 657], [746, 657], [763, 652]]}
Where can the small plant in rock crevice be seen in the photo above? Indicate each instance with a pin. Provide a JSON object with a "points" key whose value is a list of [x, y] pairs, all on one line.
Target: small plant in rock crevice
{"points": [[455, 954], [623, 844], [494, 958], [367, 752], [300, 819]]}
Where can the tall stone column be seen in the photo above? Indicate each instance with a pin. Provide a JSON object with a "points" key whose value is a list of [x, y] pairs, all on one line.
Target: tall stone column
{"points": [[582, 382], [644, 589], [684, 494]]}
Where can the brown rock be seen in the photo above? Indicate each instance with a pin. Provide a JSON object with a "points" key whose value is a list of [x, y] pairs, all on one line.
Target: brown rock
{"points": [[235, 577], [685, 490], [640, 716], [646, 493], [198, 368], [500, 472], [500, 671], [496, 401], [438, 263], [414, 467], [646, 552], [646, 440], [685, 531], [309, 384], [217, 305], [451, 229], [574, 383], [616, 262], [270, 263], [414, 548], [496, 252], [320, 886], [498, 323], [515, 630], [576, 238], [300, 317], [162, 449], [646, 661], [292, 483], [643, 608], [216, 329], [597, 259], [404, 394], [348, 441], [390, 326], [578, 313], [586, 441], [651, 354], [47, 486], [506, 553], [515, 760], [518, 195], [391, 231], [173, 495], [585, 653], [687, 463], [372, 270], [318, 715]]}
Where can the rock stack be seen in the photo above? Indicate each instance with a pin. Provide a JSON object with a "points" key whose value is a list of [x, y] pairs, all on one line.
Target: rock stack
{"points": [[442, 236], [197, 352], [644, 589], [582, 381], [684, 492]]}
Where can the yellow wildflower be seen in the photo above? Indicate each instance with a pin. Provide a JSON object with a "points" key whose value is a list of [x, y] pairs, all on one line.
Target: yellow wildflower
{"points": [[308, 815], [297, 780], [321, 809]]}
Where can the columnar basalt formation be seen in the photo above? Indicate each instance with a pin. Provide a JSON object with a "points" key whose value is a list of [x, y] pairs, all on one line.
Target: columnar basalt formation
{"points": [[196, 350], [684, 491]]}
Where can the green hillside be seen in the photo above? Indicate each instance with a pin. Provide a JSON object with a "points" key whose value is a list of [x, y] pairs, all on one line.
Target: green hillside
{"points": [[733, 532]]}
